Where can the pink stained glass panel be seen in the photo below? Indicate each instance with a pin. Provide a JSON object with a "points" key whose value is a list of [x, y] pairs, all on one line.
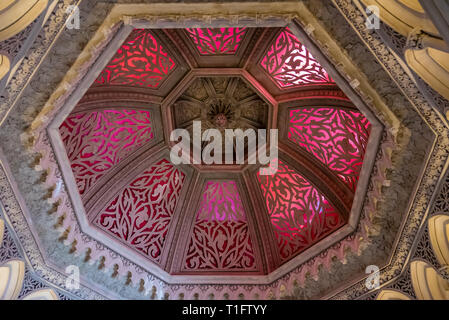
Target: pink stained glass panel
{"points": [[140, 214], [96, 141], [220, 239], [290, 64], [140, 61], [299, 213], [337, 137], [216, 41]]}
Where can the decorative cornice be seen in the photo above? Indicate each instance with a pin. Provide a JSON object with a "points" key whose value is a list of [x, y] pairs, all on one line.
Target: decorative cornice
{"points": [[47, 36], [434, 164], [73, 235], [355, 242]]}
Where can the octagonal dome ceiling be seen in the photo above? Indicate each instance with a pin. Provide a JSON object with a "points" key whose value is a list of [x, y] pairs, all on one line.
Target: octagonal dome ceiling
{"points": [[204, 220], [88, 182]]}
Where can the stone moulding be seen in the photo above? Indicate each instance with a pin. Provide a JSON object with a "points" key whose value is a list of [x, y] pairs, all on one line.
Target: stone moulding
{"points": [[14, 211], [435, 166], [296, 277], [49, 32], [52, 181]]}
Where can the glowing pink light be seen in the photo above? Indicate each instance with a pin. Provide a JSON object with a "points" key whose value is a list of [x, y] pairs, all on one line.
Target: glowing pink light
{"points": [[213, 41], [299, 213], [220, 239], [337, 137], [140, 214], [96, 141], [140, 61], [290, 64]]}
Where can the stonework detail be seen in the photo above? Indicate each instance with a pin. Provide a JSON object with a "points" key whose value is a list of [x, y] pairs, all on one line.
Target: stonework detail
{"points": [[208, 97], [220, 239], [290, 64], [337, 137], [96, 141], [9, 251], [217, 41], [102, 259], [299, 213], [220, 103], [140, 61], [141, 213], [111, 258]]}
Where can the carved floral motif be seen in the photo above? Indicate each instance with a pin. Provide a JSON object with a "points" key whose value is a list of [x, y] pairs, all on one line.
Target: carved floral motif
{"points": [[220, 239], [96, 141], [140, 61], [337, 137], [378, 49], [215, 41], [141, 213], [290, 64], [300, 214]]}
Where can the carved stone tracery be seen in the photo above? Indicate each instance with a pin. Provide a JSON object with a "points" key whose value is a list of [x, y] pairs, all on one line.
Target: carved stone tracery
{"points": [[204, 289]]}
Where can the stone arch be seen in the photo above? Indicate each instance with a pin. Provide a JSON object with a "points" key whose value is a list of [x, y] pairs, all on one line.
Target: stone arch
{"points": [[16, 15], [392, 295], [11, 279], [427, 283], [403, 15], [4, 65], [439, 237], [44, 294], [432, 65], [2, 231]]}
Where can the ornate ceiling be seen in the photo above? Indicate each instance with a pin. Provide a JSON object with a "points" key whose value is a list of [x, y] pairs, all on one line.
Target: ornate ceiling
{"points": [[204, 220], [88, 180]]}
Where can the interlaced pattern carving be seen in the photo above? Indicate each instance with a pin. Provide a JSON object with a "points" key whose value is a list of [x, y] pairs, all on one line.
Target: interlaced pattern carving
{"points": [[140, 214], [12, 46], [96, 141], [9, 251], [215, 41], [220, 239], [140, 61], [335, 136], [299, 213], [8, 248], [29, 285], [442, 201], [290, 64]]}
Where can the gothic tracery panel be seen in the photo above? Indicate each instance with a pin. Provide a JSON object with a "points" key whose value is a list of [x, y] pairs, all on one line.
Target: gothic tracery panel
{"points": [[140, 61], [216, 41], [337, 137], [290, 64], [96, 141], [299, 213], [141, 213], [220, 239]]}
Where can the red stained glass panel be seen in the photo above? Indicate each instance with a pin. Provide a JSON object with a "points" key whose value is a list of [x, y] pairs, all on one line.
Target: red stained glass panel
{"points": [[141, 213], [299, 213], [290, 64], [216, 41], [337, 137], [96, 141], [220, 239], [140, 61]]}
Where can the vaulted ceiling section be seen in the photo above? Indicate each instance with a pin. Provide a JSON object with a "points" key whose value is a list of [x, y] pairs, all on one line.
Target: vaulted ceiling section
{"points": [[87, 178]]}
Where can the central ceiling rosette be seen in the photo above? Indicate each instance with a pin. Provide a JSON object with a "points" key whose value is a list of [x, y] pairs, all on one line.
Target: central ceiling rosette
{"points": [[220, 103], [213, 220], [230, 99]]}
